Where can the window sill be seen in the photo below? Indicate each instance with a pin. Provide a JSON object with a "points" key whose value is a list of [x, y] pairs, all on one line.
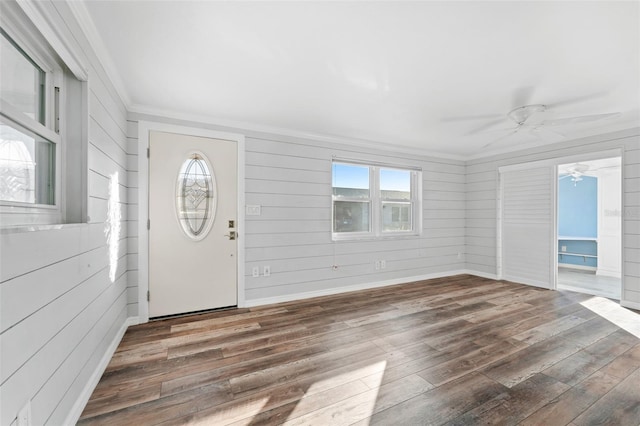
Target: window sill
{"points": [[339, 238], [16, 229]]}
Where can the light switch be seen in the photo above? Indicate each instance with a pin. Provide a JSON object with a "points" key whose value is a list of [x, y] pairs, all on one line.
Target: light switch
{"points": [[253, 210]]}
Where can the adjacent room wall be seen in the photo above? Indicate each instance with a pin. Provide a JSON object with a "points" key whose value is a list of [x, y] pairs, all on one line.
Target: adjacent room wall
{"points": [[481, 192], [62, 306], [578, 218], [578, 207]]}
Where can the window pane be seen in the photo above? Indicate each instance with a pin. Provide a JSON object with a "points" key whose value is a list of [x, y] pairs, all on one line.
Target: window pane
{"points": [[45, 172], [396, 217], [21, 81], [350, 216], [395, 184], [27, 167], [350, 181], [196, 203]]}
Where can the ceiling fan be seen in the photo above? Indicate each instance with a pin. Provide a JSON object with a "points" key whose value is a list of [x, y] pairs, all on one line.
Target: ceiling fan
{"points": [[521, 116], [522, 113], [575, 172]]}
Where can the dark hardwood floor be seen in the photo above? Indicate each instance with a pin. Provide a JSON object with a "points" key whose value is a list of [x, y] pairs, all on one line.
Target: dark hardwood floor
{"points": [[459, 350]]}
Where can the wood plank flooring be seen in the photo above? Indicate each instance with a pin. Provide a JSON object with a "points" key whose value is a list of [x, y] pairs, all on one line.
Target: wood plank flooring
{"points": [[459, 350]]}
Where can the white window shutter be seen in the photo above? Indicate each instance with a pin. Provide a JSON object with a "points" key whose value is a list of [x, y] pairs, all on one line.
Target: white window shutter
{"points": [[527, 223]]}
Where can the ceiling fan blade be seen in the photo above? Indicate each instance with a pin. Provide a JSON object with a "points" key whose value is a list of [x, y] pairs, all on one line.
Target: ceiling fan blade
{"points": [[470, 117], [501, 138], [563, 176], [486, 126], [522, 96], [576, 100], [549, 135], [615, 166], [578, 119]]}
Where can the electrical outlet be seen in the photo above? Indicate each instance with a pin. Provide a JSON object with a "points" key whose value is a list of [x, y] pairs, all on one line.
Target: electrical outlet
{"points": [[255, 272], [377, 264], [24, 415], [383, 264], [266, 271], [563, 248]]}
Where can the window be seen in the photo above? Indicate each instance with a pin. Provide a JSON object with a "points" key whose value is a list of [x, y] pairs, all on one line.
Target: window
{"points": [[27, 145], [42, 128], [375, 201]]}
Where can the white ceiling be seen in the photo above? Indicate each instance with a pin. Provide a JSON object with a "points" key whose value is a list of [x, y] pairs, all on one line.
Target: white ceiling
{"points": [[396, 73]]}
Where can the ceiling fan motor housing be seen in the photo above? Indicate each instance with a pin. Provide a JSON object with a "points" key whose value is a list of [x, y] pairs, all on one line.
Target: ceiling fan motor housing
{"points": [[521, 114]]}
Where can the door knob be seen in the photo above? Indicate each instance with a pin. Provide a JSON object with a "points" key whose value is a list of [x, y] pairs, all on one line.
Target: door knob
{"points": [[231, 235]]}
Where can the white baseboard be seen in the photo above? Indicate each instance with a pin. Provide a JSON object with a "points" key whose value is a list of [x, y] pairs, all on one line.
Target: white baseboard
{"points": [[629, 304], [609, 273], [527, 281], [580, 267], [83, 398], [338, 290], [480, 274]]}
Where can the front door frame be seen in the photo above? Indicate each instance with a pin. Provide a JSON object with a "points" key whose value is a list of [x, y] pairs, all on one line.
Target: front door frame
{"points": [[144, 128]]}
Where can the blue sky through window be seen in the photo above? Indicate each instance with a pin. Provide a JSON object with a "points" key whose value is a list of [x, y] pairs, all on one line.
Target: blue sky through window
{"points": [[357, 177], [395, 180], [350, 176]]}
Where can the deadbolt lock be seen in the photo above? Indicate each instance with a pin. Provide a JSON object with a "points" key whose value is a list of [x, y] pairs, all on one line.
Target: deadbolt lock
{"points": [[232, 224]]}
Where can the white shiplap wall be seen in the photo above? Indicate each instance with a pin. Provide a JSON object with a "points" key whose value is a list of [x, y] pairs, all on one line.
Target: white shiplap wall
{"points": [[60, 313], [132, 218], [482, 181], [291, 179]]}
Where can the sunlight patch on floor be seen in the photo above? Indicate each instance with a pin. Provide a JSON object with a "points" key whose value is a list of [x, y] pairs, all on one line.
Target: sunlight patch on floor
{"points": [[611, 311], [238, 414], [360, 405]]}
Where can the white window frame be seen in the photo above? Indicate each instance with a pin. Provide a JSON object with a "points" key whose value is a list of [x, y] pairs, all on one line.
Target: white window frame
{"points": [[18, 21], [376, 201]]}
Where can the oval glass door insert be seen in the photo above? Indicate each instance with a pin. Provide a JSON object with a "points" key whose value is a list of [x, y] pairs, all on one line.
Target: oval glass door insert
{"points": [[195, 196]]}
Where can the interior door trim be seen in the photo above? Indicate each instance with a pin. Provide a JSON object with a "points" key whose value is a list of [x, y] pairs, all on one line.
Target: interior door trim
{"points": [[554, 162], [144, 128]]}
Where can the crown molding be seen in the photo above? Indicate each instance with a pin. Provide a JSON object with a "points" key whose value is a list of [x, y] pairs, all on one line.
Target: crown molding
{"points": [[88, 27], [241, 126]]}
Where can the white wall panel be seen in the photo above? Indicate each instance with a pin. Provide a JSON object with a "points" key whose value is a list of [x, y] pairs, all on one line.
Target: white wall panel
{"points": [[132, 217], [60, 278], [292, 187], [106, 143], [60, 309], [302, 261]]}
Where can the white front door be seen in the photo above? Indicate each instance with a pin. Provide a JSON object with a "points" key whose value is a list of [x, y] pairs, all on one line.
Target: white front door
{"points": [[193, 218]]}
